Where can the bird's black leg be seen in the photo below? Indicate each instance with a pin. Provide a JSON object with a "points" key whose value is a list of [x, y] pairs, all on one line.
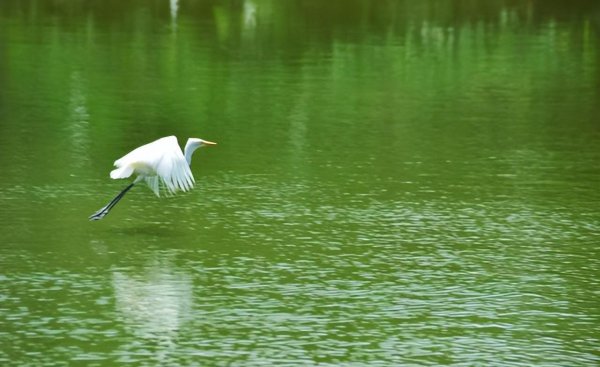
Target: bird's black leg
{"points": [[104, 210]]}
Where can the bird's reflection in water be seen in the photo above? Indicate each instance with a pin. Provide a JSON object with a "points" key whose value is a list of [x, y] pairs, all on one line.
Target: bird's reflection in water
{"points": [[174, 7], [154, 305]]}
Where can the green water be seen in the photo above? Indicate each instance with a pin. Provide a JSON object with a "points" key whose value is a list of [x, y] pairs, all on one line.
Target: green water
{"points": [[396, 183]]}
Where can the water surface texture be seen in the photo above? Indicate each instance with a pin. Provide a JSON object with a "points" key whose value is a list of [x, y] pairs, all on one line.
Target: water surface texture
{"points": [[397, 183]]}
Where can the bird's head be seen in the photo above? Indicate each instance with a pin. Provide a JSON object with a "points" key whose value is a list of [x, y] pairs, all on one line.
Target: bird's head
{"points": [[195, 143]]}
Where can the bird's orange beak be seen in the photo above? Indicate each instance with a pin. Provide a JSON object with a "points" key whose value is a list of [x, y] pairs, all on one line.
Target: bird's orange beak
{"points": [[208, 142]]}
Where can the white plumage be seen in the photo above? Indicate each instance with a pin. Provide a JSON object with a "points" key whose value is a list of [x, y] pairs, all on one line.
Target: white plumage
{"points": [[160, 163]]}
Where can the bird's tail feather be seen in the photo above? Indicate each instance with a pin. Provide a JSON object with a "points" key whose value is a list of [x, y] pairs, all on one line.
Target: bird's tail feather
{"points": [[121, 172]]}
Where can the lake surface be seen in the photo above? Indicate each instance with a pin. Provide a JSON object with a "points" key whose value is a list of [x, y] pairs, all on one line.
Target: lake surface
{"points": [[396, 183]]}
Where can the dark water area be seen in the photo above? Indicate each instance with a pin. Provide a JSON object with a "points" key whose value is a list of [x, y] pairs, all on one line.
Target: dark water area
{"points": [[396, 183]]}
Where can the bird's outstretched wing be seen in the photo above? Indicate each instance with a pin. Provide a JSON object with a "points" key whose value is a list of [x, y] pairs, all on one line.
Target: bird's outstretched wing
{"points": [[172, 169], [160, 162]]}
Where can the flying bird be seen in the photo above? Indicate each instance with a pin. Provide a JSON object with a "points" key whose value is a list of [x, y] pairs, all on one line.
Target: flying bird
{"points": [[161, 164]]}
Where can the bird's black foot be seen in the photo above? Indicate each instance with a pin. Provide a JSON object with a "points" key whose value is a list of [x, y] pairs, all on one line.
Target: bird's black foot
{"points": [[99, 214], [104, 211]]}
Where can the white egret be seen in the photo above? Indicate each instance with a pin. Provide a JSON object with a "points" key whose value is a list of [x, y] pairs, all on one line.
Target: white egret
{"points": [[160, 163]]}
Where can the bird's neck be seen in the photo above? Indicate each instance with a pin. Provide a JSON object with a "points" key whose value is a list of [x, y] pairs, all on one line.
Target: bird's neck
{"points": [[188, 151]]}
